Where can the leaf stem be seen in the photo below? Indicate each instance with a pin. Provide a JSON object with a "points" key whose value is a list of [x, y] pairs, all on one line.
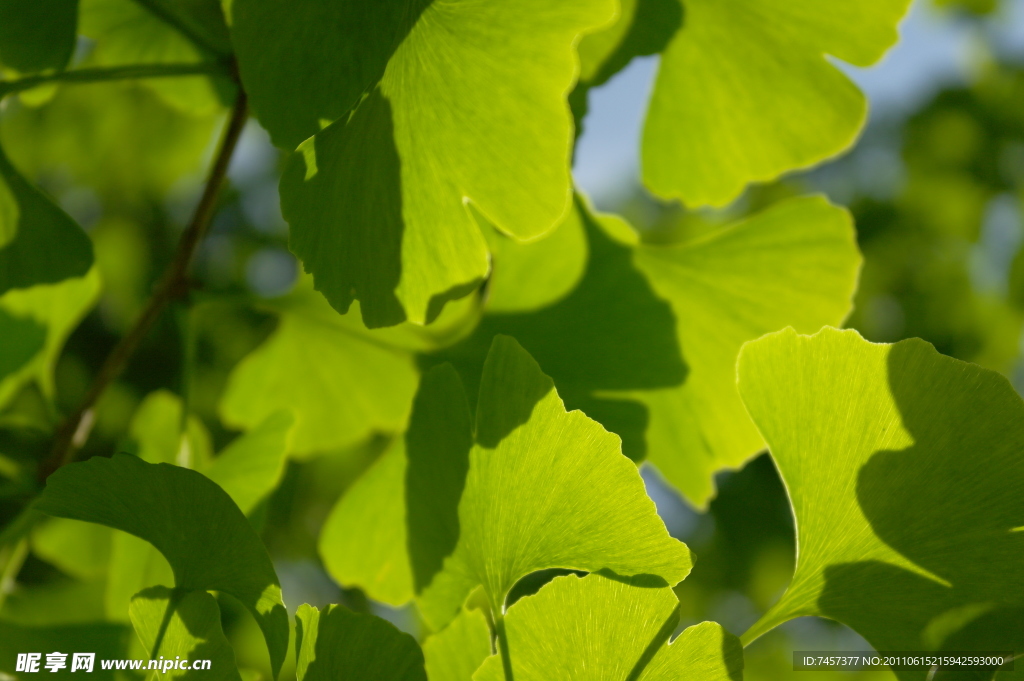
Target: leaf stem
{"points": [[173, 285], [100, 74], [506, 656]]}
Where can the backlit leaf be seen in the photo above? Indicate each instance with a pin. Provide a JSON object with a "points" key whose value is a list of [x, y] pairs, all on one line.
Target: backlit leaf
{"points": [[456, 652], [745, 92], [58, 308], [538, 488], [904, 470], [187, 626], [646, 343], [344, 382], [377, 200], [597, 628]]}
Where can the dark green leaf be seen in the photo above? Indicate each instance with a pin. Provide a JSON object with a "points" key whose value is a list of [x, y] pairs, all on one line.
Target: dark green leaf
{"points": [[189, 519], [37, 36], [340, 645], [47, 246]]}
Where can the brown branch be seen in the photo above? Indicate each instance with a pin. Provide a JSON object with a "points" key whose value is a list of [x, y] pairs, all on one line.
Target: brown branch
{"points": [[74, 431]]}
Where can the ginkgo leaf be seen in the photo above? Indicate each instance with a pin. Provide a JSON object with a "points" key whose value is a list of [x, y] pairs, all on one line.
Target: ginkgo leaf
{"points": [[644, 27], [343, 381], [37, 36], [340, 644], [538, 488], [443, 95], [58, 308], [178, 627], [646, 344], [456, 652], [189, 519], [46, 245], [156, 428], [745, 92], [904, 471], [79, 549], [393, 528], [529, 276], [365, 541], [595, 628], [106, 640], [252, 465]]}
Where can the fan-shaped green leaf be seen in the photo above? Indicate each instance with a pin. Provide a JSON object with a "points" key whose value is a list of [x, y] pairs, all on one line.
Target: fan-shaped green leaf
{"points": [[745, 92], [57, 308], [644, 27], [539, 488], [904, 470], [79, 549], [456, 652], [37, 36], [340, 644], [156, 428], [377, 200], [597, 628], [343, 381], [175, 625], [188, 518], [45, 246], [251, 466], [647, 342], [365, 540]]}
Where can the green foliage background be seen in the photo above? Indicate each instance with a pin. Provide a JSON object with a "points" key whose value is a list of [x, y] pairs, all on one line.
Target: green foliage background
{"points": [[420, 411]]}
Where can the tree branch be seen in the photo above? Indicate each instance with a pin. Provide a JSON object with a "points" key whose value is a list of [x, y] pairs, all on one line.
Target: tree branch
{"points": [[74, 431], [95, 75]]}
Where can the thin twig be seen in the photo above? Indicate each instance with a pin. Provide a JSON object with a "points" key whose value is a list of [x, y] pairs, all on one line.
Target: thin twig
{"points": [[99, 74], [73, 433]]}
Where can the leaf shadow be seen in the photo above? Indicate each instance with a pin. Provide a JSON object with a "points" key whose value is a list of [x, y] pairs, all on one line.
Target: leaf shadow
{"points": [[951, 503], [611, 333], [327, 181]]}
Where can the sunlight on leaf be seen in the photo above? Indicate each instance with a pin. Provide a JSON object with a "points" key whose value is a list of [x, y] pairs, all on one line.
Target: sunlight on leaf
{"points": [[745, 93], [539, 488], [187, 626], [454, 653], [452, 92], [58, 308], [597, 628], [646, 343], [904, 473]]}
